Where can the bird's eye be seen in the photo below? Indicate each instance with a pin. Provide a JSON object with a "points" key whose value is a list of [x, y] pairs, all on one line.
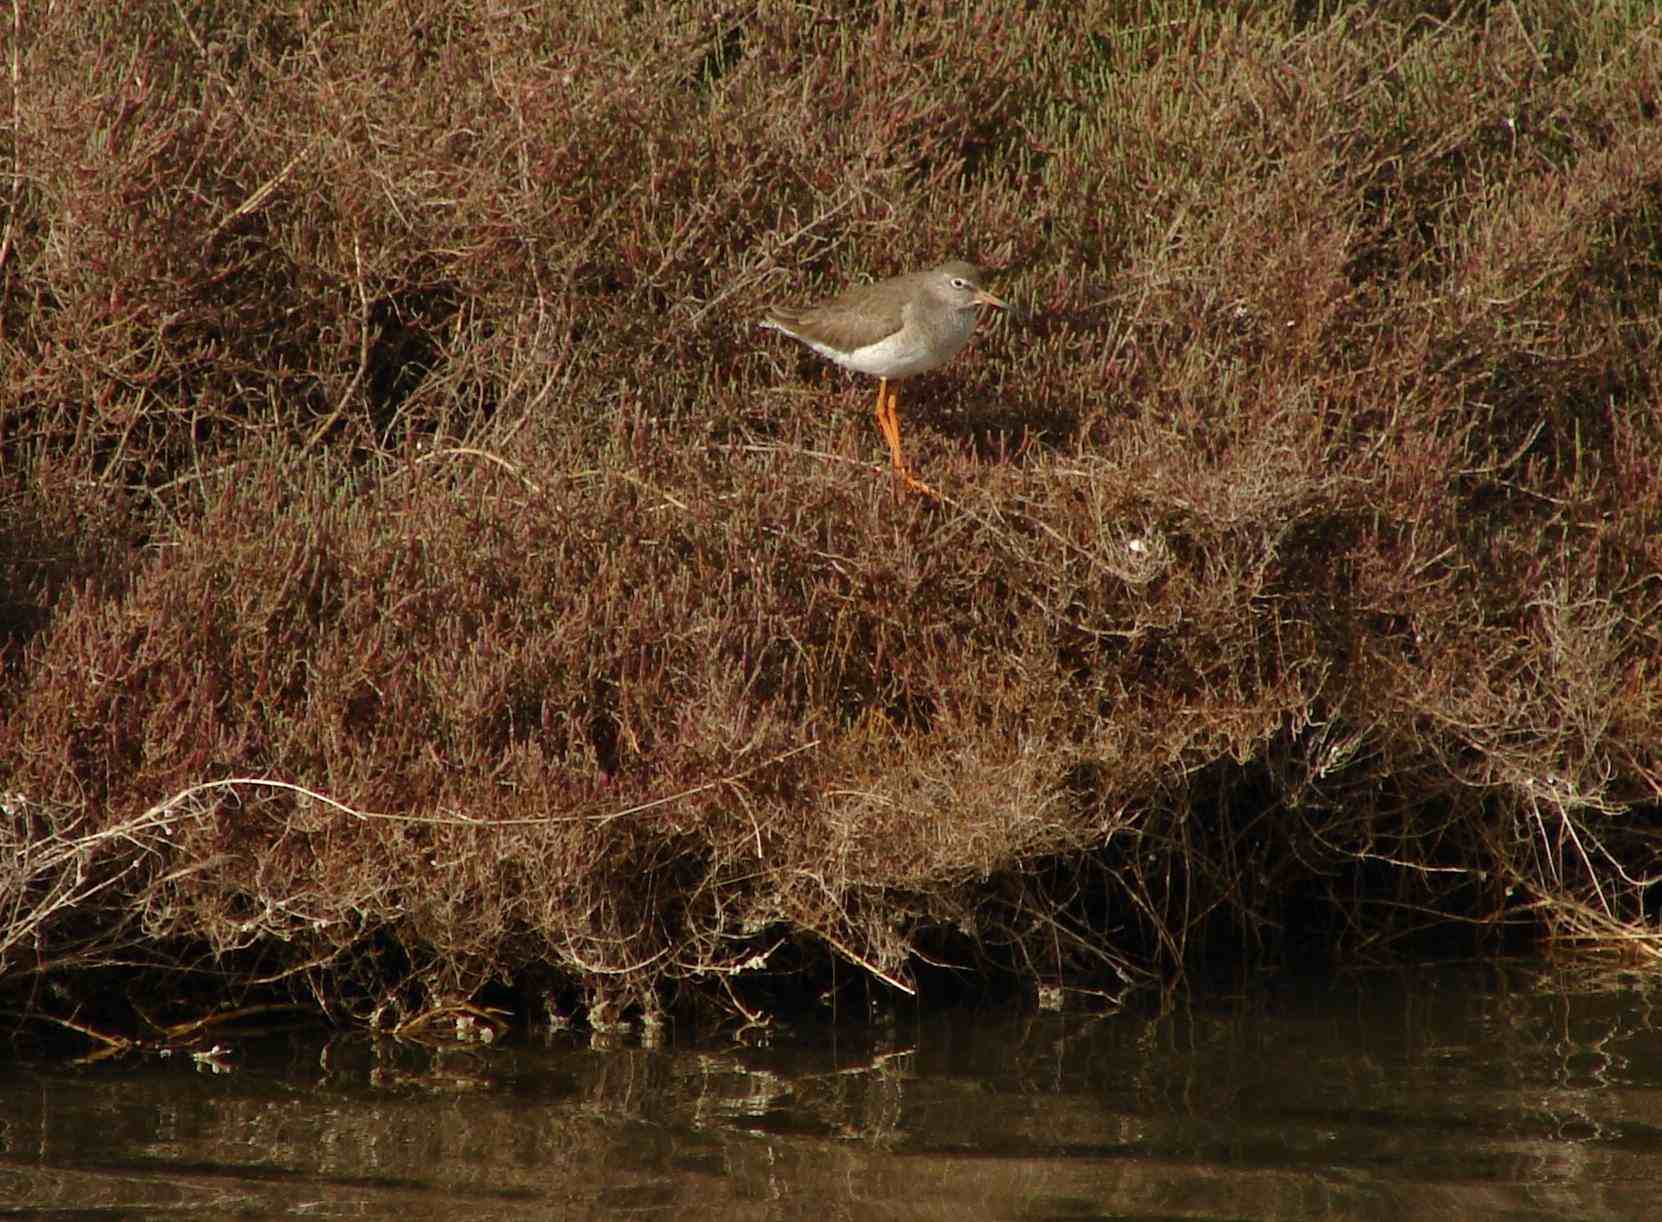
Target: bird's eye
{"points": [[958, 282]]}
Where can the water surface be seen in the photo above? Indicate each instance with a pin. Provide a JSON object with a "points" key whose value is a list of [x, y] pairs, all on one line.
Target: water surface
{"points": [[1431, 1093]]}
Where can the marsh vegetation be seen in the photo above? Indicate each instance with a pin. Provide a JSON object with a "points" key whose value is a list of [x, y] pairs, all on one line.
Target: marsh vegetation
{"points": [[426, 589]]}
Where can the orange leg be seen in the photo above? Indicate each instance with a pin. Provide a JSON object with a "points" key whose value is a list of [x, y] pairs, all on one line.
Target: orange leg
{"points": [[883, 421], [889, 421]]}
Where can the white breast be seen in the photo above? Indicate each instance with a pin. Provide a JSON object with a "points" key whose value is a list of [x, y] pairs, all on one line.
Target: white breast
{"points": [[915, 348]]}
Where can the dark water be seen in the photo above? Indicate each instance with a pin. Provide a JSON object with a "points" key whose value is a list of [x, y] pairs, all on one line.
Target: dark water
{"points": [[1449, 1094]]}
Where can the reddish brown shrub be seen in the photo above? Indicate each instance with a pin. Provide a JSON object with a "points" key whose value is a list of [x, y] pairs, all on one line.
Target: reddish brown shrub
{"points": [[420, 574]]}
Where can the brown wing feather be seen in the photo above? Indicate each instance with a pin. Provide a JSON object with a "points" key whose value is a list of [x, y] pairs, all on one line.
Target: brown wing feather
{"points": [[863, 315]]}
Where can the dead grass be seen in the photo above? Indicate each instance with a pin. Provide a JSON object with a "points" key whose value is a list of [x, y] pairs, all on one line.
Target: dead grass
{"points": [[421, 578]]}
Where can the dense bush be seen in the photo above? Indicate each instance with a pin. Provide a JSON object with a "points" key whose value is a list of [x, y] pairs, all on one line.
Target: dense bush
{"points": [[420, 573]]}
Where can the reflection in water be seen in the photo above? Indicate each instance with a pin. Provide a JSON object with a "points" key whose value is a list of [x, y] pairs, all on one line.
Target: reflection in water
{"points": [[1422, 1094]]}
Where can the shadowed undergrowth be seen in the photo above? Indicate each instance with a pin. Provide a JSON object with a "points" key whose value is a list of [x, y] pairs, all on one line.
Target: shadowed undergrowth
{"points": [[421, 579]]}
